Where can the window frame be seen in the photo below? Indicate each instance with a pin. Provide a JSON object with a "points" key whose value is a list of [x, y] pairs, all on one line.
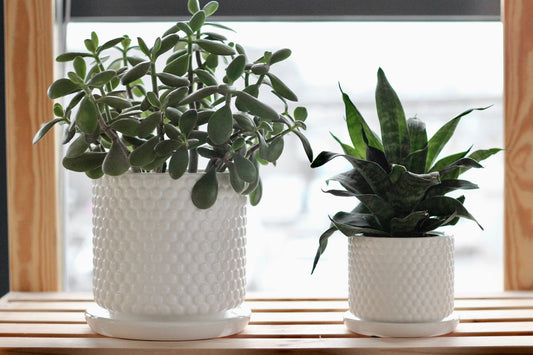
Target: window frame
{"points": [[34, 250]]}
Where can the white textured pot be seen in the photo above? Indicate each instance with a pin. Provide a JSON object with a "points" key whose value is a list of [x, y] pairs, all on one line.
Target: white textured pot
{"points": [[163, 269], [401, 286]]}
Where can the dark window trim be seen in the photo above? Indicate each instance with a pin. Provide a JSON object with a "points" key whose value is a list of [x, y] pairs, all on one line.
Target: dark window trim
{"points": [[4, 252], [293, 10]]}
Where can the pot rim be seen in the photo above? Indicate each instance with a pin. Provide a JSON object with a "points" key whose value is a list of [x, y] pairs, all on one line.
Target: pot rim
{"points": [[433, 235]]}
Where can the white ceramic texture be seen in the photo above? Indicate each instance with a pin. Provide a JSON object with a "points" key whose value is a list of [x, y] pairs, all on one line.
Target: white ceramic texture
{"points": [[402, 280], [156, 256]]}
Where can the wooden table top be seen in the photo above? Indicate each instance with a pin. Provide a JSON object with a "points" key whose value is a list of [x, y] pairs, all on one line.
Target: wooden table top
{"points": [[55, 323]]}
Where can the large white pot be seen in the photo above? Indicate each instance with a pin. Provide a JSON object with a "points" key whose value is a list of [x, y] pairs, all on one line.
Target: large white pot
{"points": [[163, 269], [401, 286]]}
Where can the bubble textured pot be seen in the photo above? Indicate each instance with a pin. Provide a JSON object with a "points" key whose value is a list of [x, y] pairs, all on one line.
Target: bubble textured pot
{"points": [[163, 269], [401, 287]]}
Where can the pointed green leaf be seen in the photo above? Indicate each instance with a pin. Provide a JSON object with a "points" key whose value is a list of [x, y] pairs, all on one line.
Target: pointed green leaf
{"points": [[116, 162], [205, 190], [137, 72], [392, 121], [62, 87], [449, 160], [45, 128], [305, 144], [178, 163], [110, 43], [197, 20], [188, 121], [323, 243], [67, 57], [410, 189], [145, 153], [352, 181], [80, 67], [418, 140], [77, 147], [445, 206], [149, 124], [407, 226], [245, 168], [345, 147], [237, 183], [198, 95], [206, 77], [235, 69], [257, 107], [255, 196]]}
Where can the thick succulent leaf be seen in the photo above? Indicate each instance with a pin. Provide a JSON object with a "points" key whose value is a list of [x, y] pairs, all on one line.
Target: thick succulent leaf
{"points": [[216, 48], [45, 128], [235, 69], [62, 87], [255, 195], [197, 20], [205, 190], [77, 147], [111, 43], [84, 162], [145, 153], [193, 6], [442, 136], [449, 160], [244, 122], [418, 141], [137, 72], [352, 181], [381, 209], [245, 168], [178, 163], [220, 125], [116, 162], [102, 78], [445, 206], [257, 107], [280, 55], [210, 8], [282, 89], [167, 147], [206, 77], [449, 185], [407, 226], [67, 57], [345, 147], [391, 116], [178, 66], [237, 183], [356, 125], [114, 101], [305, 144], [168, 42], [128, 126], [95, 173], [410, 189], [80, 67], [199, 95], [187, 121], [172, 80], [322, 244], [148, 124], [275, 148], [86, 117]]}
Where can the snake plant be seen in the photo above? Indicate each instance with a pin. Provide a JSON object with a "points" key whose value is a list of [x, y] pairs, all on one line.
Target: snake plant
{"points": [[193, 94], [398, 179]]}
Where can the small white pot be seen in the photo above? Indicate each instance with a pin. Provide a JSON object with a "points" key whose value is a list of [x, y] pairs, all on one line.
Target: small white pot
{"points": [[401, 286], [163, 269]]}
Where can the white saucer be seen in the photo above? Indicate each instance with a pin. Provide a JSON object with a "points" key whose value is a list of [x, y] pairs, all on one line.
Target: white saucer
{"points": [[230, 322], [384, 329]]}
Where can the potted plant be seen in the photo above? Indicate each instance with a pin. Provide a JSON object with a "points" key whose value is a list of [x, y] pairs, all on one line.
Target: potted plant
{"points": [[174, 136], [401, 271]]}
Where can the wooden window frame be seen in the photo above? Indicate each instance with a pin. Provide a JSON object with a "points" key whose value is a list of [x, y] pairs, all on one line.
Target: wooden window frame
{"points": [[34, 241]]}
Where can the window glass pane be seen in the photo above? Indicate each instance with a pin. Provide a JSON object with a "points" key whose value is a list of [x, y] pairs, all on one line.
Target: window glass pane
{"points": [[439, 70]]}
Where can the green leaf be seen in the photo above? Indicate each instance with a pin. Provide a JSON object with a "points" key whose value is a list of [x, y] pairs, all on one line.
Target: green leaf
{"points": [[77, 147], [86, 117], [443, 135], [236, 68], [128, 126], [149, 124], [197, 20], [381, 209], [245, 168], [260, 68], [410, 189], [480, 155], [449, 185], [255, 196], [193, 6], [80, 67], [58, 110], [172, 132], [187, 121], [237, 183], [418, 141], [198, 95], [95, 173], [281, 88], [178, 66], [67, 57], [91, 47], [275, 149], [62, 87], [300, 113], [244, 122], [323, 243], [215, 47], [450, 159], [392, 121], [345, 147], [280, 55], [110, 43], [85, 162], [407, 226], [205, 190], [167, 43], [153, 99], [220, 125], [137, 72], [45, 128], [206, 77], [143, 47], [116, 162], [102, 78], [306, 145], [185, 28], [352, 181], [178, 163], [114, 101], [210, 8], [172, 80], [256, 107], [145, 153], [445, 206], [167, 147], [175, 96], [94, 38]]}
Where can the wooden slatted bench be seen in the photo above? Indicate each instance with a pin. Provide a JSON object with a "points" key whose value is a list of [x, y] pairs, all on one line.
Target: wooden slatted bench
{"points": [[54, 323]]}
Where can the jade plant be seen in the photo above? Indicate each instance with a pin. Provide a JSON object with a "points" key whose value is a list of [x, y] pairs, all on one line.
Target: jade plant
{"points": [[398, 179], [192, 95]]}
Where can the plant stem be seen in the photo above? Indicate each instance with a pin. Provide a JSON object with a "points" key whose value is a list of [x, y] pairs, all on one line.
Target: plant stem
{"points": [[193, 153]]}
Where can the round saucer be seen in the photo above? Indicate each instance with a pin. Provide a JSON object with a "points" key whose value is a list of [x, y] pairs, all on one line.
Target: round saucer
{"points": [[230, 322], [385, 329]]}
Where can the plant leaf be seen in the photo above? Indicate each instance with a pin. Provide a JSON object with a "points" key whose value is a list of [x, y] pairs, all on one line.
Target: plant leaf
{"points": [[282, 89], [235, 69], [220, 125], [114, 101], [445, 206], [84, 162], [137, 72], [205, 190], [86, 117], [45, 128], [280, 55], [245, 168], [62, 87], [322, 244], [215, 47], [145, 153], [77, 147], [418, 141], [197, 20], [178, 66], [256, 107], [116, 162], [178, 163], [255, 196]]}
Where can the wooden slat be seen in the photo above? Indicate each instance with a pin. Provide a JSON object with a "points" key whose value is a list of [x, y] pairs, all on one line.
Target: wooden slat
{"points": [[31, 171], [518, 99]]}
